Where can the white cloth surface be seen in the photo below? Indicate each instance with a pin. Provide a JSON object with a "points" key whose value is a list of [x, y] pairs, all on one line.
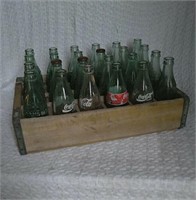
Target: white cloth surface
{"points": [[153, 166]]}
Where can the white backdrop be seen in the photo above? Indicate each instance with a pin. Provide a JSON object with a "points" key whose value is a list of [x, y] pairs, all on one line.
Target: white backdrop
{"points": [[132, 166]]}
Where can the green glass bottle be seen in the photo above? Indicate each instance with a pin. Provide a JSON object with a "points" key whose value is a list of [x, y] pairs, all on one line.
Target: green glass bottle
{"points": [[108, 63], [142, 89], [167, 85], [117, 94], [30, 52], [89, 98], [145, 52], [34, 103], [29, 66], [137, 48], [63, 99], [53, 53], [56, 65], [124, 59], [131, 72], [104, 81], [98, 70], [93, 60], [155, 69], [73, 48], [116, 51], [83, 60], [77, 54]]}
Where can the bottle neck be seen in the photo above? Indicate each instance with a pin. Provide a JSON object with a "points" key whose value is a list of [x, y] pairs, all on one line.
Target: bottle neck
{"points": [[168, 71], [101, 56], [145, 55], [155, 62], [29, 58], [54, 56]]}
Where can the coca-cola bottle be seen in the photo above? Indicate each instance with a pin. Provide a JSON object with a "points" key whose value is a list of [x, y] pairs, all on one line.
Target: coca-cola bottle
{"points": [[142, 89], [117, 94], [63, 99], [89, 98], [167, 85]]}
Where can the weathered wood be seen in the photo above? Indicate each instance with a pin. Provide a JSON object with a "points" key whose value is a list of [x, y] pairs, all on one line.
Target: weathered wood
{"points": [[100, 125], [52, 132], [16, 116]]}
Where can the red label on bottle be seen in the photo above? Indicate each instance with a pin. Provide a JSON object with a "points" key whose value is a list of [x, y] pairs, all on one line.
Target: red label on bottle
{"points": [[117, 99]]}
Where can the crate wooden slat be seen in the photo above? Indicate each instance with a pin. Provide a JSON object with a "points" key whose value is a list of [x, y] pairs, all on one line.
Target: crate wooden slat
{"points": [[53, 132]]}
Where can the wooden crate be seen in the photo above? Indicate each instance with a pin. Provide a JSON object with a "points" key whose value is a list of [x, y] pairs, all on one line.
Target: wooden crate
{"points": [[57, 131]]}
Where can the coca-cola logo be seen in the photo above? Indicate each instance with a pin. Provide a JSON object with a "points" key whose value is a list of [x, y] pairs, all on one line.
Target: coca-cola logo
{"points": [[117, 99], [146, 97], [67, 108], [86, 102]]}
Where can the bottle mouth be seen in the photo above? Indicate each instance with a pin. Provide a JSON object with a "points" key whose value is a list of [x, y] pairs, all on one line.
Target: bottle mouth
{"points": [[96, 45], [29, 51], [168, 60], [116, 43], [100, 50], [52, 49], [137, 40], [74, 47], [156, 52], [145, 46]]}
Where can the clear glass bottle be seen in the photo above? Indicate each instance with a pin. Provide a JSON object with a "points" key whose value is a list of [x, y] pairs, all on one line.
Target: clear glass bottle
{"points": [[73, 48], [131, 72], [89, 98], [34, 102], [117, 94], [116, 51], [56, 65], [167, 86], [77, 54], [63, 99], [155, 69], [124, 59], [137, 48], [98, 70], [82, 62], [53, 53], [142, 89]]}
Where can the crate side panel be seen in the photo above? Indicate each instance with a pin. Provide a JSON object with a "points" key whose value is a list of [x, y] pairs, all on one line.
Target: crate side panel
{"points": [[100, 125]]}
